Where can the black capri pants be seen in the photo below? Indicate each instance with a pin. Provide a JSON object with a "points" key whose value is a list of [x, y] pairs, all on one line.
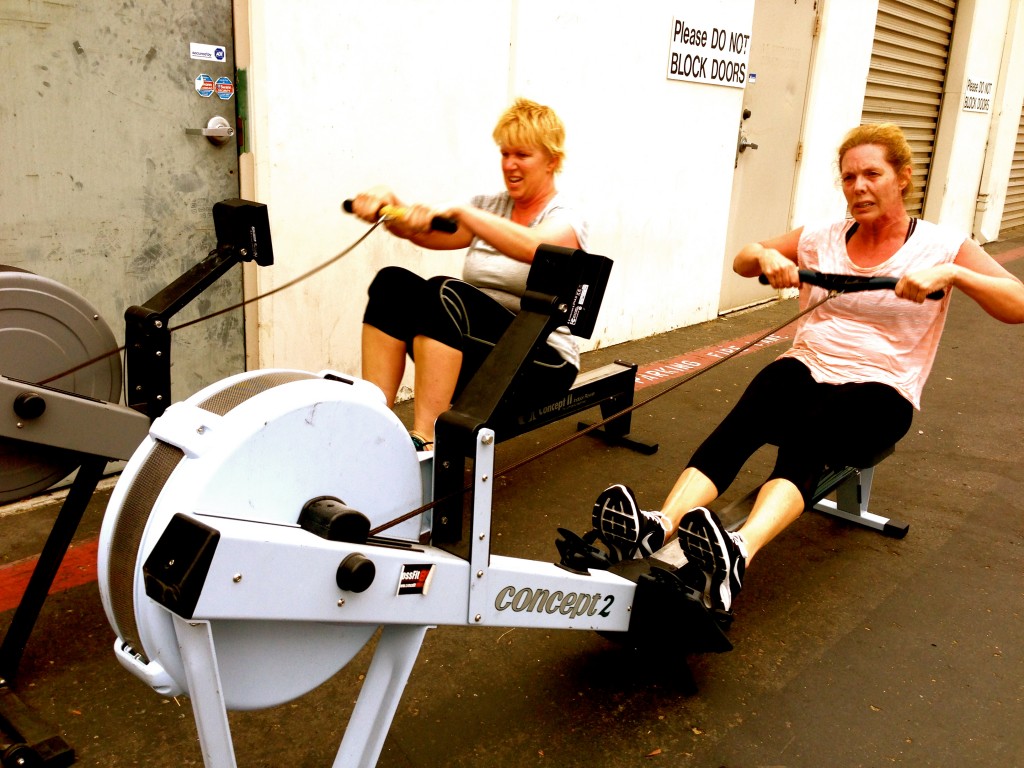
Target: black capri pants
{"points": [[814, 425], [404, 305]]}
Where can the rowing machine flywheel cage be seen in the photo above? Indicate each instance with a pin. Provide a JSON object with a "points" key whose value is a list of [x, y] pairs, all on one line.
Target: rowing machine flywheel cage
{"points": [[47, 329], [258, 447]]}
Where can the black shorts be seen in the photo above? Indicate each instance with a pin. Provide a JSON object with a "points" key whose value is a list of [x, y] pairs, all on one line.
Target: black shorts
{"points": [[814, 425], [404, 305]]}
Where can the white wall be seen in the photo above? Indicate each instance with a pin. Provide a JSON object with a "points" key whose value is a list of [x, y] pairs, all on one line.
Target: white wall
{"points": [[346, 95], [1003, 132], [961, 144], [349, 95]]}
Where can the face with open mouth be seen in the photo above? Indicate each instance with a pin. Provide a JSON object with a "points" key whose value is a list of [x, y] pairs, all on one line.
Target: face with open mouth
{"points": [[529, 172], [873, 188]]}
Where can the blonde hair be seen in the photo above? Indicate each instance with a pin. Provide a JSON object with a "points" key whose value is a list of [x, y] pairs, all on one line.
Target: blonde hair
{"points": [[529, 124], [890, 137]]}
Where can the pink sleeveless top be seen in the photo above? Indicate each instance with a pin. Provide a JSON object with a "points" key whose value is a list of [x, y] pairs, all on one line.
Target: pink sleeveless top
{"points": [[872, 335]]}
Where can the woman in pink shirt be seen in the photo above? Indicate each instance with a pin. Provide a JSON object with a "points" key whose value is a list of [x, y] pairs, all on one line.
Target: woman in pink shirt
{"points": [[860, 361]]}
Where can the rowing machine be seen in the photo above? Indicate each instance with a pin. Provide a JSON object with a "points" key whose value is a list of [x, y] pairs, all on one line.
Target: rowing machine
{"points": [[238, 538], [59, 388]]}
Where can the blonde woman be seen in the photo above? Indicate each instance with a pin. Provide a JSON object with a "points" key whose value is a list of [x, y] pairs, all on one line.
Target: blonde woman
{"points": [[448, 326]]}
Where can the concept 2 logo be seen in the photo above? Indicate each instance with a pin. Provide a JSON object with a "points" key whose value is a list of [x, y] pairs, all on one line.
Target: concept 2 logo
{"points": [[572, 604]]}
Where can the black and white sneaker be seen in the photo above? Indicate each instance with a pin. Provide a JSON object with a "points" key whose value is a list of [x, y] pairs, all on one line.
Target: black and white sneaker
{"points": [[721, 554], [627, 531]]}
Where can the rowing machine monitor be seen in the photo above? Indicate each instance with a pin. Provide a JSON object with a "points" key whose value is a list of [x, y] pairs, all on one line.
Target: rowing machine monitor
{"points": [[244, 227], [243, 234], [577, 280]]}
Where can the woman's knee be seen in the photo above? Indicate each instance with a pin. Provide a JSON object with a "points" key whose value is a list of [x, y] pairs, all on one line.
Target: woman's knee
{"points": [[395, 283], [394, 294]]}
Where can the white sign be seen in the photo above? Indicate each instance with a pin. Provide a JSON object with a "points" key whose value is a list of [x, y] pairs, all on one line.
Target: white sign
{"points": [[707, 47], [207, 52], [978, 97]]}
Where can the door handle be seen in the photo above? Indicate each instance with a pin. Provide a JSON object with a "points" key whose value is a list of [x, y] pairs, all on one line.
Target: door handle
{"points": [[745, 144], [218, 130]]}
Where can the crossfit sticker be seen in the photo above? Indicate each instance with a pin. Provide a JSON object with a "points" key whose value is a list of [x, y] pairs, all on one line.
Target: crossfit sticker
{"points": [[204, 86], [415, 579]]}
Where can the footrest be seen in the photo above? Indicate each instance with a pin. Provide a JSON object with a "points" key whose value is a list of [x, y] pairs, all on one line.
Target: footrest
{"points": [[668, 607]]}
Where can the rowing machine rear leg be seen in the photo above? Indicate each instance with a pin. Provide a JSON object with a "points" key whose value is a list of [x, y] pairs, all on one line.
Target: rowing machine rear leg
{"points": [[853, 493], [616, 431]]}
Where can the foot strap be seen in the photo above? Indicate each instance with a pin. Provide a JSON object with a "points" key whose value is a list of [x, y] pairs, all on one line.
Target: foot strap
{"points": [[578, 553]]}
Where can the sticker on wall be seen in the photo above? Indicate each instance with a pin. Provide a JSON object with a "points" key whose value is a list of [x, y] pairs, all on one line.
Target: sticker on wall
{"points": [[204, 86], [225, 88], [207, 52]]}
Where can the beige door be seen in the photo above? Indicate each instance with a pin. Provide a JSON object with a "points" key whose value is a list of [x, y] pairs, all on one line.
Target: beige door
{"points": [[768, 137], [102, 188]]}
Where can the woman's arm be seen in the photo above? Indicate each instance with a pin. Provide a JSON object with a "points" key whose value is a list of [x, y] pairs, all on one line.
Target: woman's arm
{"points": [[774, 258], [413, 224], [516, 241], [978, 275]]}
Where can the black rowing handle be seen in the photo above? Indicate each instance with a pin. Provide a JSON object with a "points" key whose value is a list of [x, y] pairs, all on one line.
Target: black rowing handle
{"points": [[438, 223], [848, 283]]}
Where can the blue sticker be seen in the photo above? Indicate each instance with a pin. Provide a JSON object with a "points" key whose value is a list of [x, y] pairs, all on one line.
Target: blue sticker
{"points": [[204, 86], [225, 88]]}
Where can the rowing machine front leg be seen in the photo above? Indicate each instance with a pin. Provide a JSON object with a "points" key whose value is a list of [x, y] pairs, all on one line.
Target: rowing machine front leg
{"points": [[389, 671]]}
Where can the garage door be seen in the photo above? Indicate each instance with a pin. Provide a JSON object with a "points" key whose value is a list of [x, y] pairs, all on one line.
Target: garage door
{"points": [[1013, 209], [908, 69]]}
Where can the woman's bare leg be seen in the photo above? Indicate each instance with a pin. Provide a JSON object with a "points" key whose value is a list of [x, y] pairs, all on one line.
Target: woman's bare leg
{"points": [[778, 504], [383, 361], [692, 489], [437, 373]]}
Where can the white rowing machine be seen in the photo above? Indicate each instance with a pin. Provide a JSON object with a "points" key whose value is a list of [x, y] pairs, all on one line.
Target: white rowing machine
{"points": [[237, 540]]}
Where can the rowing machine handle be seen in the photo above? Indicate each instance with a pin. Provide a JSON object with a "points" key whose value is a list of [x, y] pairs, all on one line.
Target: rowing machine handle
{"points": [[438, 223], [849, 283]]}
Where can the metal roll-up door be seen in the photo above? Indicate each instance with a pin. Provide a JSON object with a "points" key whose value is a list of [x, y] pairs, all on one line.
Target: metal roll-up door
{"points": [[908, 69], [1013, 208]]}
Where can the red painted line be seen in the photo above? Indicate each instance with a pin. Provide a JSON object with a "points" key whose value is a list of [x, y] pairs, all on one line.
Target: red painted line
{"points": [[78, 568], [666, 370], [1005, 256]]}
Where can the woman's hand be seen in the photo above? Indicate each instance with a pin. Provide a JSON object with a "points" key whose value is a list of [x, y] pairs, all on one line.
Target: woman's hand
{"points": [[366, 205], [774, 258], [780, 271], [917, 285]]}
